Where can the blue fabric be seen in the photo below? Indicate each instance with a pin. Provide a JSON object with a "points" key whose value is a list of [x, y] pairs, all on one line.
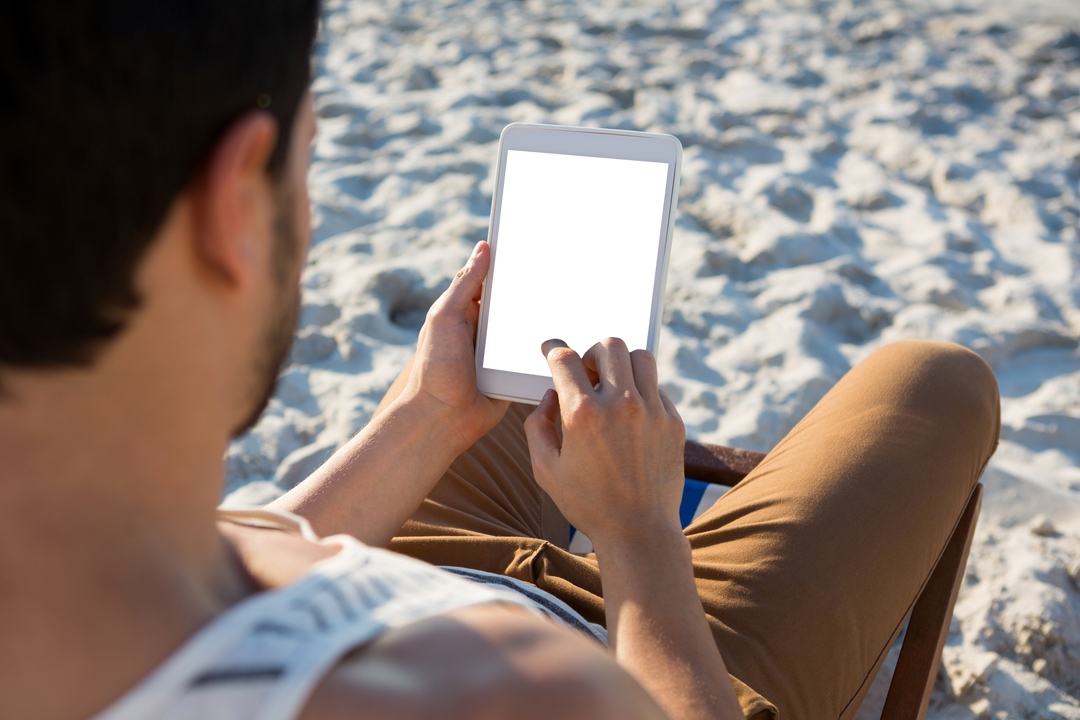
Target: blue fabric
{"points": [[691, 498]]}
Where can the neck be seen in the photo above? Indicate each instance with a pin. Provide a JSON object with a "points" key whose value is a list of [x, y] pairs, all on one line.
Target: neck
{"points": [[109, 476], [109, 555]]}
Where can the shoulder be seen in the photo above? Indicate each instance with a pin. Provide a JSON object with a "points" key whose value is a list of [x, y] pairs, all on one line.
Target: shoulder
{"points": [[482, 662]]}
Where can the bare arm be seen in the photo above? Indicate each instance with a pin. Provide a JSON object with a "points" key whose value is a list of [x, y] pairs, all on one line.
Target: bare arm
{"points": [[658, 630], [617, 475], [482, 662], [375, 482]]}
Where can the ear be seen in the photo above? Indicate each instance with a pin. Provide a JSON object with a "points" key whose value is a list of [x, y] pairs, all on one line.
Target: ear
{"points": [[233, 200]]}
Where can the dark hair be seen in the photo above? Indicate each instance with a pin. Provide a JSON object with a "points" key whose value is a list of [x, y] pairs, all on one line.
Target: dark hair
{"points": [[108, 110]]}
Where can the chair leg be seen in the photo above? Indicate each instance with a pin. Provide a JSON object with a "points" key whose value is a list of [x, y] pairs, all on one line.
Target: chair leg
{"points": [[917, 666]]}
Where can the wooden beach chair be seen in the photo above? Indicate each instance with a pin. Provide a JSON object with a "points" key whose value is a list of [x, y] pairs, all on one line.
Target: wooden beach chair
{"points": [[917, 666]]}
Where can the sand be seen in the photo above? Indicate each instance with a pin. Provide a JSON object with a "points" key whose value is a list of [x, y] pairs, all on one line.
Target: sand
{"points": [[855, 174]]}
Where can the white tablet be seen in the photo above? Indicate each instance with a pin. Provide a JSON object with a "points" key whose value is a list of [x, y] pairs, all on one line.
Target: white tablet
{"points": [[580, 235]]}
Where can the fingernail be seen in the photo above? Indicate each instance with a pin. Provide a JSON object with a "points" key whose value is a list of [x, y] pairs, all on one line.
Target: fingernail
{"points": [[553, 343], [476, 249]]}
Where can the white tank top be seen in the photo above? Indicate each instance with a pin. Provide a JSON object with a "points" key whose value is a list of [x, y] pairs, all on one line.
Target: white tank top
{"points": [[261, 659]]}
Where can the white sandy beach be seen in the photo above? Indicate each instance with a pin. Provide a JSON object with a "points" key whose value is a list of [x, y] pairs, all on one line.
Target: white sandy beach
{"points": [[854, 173]]}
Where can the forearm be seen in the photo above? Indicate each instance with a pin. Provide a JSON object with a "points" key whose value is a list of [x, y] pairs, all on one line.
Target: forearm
{"points": [[371, 486], [657, 627], [396, 388]]}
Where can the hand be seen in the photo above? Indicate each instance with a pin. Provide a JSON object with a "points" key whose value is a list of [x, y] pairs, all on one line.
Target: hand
{"points": [[443, 378], [617, 473]]}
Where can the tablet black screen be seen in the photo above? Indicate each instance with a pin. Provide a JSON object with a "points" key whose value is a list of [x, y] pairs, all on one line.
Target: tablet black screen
{"points": [[575, 255]]}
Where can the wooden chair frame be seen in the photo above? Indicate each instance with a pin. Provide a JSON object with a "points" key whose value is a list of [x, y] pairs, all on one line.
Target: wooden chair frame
{"points": [[920, 655]]}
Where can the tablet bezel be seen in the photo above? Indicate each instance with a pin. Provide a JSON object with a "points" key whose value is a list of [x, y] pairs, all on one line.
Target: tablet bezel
{"points": [[587, 142]]}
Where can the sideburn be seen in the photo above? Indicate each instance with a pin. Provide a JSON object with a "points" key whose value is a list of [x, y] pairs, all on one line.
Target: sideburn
{"points": [[280, 327]]}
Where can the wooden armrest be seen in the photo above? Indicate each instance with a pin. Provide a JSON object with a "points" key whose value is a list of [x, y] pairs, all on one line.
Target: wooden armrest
{"points": [[718, 464]]}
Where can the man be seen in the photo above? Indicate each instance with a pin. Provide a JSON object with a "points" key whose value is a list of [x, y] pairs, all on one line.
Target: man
{"points": [[153, 224]]}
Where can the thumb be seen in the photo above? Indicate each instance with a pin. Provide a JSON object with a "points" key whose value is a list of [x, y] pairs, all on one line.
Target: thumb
{"points": [[468, 280], [542, 432]]}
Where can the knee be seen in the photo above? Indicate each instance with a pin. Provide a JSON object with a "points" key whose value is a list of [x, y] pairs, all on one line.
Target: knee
{"points": [[943, 363], [947, 379]]}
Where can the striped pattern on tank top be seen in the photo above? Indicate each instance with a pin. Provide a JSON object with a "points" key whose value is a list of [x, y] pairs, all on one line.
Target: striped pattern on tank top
{"points": [[261, 659]]}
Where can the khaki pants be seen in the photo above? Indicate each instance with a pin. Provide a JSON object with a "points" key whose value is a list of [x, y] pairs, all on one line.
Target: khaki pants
{"points": [[808, 568]]}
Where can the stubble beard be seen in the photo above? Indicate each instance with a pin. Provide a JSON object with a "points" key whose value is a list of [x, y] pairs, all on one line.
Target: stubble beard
{"points": [[280, 326]]}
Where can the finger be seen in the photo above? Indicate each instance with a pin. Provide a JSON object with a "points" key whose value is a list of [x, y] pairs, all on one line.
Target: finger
{"points": [[567, 370], [589, 361], [541, 431], [644, 365], [466, 284], [669, 405], [612, 362]]}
